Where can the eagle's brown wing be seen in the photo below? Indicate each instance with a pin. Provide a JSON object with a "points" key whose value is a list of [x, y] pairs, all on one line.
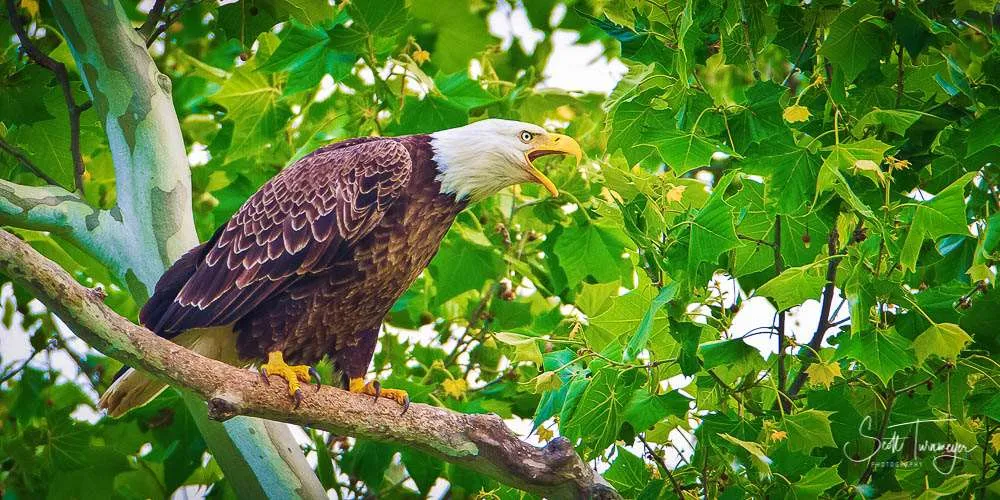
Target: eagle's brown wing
{"points": [[288, 229]]}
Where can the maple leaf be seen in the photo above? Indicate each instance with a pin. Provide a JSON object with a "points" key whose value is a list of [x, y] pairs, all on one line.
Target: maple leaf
{"points": [[421, 56], [676, 194], [545, 435], [796, 113], [823, 373], [547, 381], [455, 388]]}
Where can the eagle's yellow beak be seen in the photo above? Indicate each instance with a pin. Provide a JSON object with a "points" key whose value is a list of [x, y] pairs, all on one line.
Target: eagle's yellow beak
{"points": [[551, 144]]}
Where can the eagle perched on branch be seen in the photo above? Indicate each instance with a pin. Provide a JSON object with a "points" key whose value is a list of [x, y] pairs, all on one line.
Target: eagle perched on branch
{"points": [[312, 262]]}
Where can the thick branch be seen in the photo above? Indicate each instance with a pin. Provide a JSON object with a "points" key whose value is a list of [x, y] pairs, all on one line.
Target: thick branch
{"points": [[59, 70], [479, 442], [62, 213]]}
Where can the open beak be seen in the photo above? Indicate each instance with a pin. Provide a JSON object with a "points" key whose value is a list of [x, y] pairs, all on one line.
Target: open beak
{"points": [[551, 144]]}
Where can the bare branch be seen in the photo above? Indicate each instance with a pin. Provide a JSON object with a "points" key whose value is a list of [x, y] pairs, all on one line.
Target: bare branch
{"points": [[478, 442], [24, 160], [59, 70], [816, 342], [148, 27]]}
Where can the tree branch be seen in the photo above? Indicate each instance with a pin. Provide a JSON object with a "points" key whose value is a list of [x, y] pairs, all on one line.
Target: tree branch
{"points": [[478, 442], [816, 342], [62, 213], [28, 164], [149, 26], [59, 70], [260, 459], [779, 267]]}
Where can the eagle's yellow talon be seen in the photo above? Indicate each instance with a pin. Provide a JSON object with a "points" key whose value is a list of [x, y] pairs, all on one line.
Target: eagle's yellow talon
{"points": [[292, 374], [373, 388]]}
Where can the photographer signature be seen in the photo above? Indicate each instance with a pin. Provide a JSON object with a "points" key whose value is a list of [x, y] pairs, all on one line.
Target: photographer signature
{"points": [[906, 435]]}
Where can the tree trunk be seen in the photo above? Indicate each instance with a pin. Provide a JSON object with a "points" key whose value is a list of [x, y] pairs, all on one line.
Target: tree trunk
{"points": [[152, 223]]}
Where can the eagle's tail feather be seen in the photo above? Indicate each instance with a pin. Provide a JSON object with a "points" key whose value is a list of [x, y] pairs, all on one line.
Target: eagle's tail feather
{"points": [[135, 388]]}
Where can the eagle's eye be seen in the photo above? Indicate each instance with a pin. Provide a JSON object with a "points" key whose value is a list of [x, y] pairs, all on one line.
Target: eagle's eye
{"points": [[526, 136]]}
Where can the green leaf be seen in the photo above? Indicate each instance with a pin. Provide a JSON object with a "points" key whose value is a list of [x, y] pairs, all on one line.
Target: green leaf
{"points": [[882, 353], [683, 151], [897, 121], [630, 124], [638, 341], [430, 114], [791, 171], [623, 317], [944, 340], [756, 451], [463, 92], [596, 298], [461, 266], [645, 409], [525, 348], [324, 463], [726, 352], [760, 118], [461, 34], [945, 214], [310, 12], [423, 469], [984, 6], [600, 412], [712, 230], [588, 250], [983, 134], [628, 473], [375, 27], [807, 430], [854, 42], [253, 103], [846, 155], [812, 484], [794, 286]]}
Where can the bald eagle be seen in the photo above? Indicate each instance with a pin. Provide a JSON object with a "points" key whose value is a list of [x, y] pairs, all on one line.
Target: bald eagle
{"points": [[312, 262]]}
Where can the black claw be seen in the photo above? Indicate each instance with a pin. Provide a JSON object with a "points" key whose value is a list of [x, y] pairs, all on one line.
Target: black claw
{"points": [[406, 405], [378, 389], [314, 373], [263, 375], [298, 398]]}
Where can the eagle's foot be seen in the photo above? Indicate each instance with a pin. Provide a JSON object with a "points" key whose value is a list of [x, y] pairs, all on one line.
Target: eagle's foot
{"points": [[293, 374], [374, 388]]}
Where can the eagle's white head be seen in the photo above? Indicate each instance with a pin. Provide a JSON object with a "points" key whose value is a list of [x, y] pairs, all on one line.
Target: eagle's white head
{"points": [[482, 158]]}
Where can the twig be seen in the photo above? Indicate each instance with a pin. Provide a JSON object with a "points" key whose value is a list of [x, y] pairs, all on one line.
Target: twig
{"points": [[14, 371], [779, 267], [816, 342], [746, 38], [148, 27], [170, 19], [59, 70], [798, 59], [663, 465], [899, 75], [28, 164], [890, 398]]}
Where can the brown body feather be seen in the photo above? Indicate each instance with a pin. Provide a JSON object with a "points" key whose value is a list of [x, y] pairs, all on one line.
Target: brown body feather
{"points": [[314, 260]]}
